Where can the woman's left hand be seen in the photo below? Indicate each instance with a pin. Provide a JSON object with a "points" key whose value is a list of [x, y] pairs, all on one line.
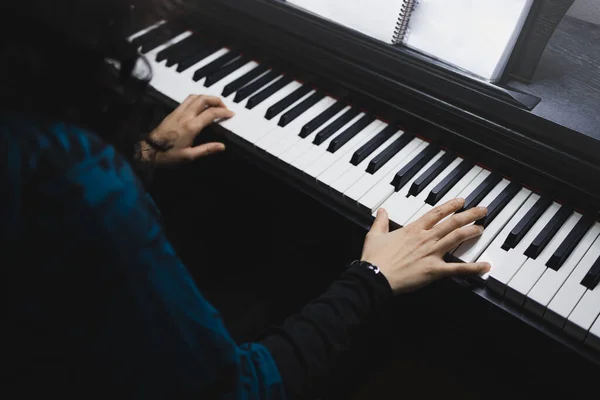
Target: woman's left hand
{"points": [[172, 141]]}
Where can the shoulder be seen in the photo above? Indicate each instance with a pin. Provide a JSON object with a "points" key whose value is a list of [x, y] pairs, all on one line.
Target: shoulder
{"points": [[51, 146], [62, 160], [75, 176]]}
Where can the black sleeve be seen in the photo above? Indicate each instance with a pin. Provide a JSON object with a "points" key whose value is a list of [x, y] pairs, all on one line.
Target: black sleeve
{"points": [[306, 346]]}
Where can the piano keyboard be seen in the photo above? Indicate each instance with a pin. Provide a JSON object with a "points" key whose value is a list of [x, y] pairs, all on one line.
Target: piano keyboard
{"points": [[545, 256]]}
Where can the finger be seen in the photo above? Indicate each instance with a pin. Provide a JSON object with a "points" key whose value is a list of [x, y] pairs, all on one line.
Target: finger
{"points": [[209, 116], [193, 153], [458, 236], [179, 111], [381, 223], [201, 103], [458, 220], [438, 213], [455, 269]]}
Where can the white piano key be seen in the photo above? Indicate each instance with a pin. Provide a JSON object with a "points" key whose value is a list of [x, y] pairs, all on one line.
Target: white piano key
{"points": [[292, 130], [164, 77], [217, 88], [584, 314], [253, 126], [342, 164], [375, 189], [412, 204], [471, 186], [494, 253], [146, 30], [593, 338], [354, 173], [396, 202], [386, 173], [344, 154], [572, 290], [315, 152], [275, 135], [304, 145], [179, 85], [551, 281], [472, 249], [524, 280], [245, 119], [452, 193], [504, 269]]}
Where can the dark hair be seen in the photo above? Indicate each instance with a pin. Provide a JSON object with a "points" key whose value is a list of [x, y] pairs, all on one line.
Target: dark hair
{"points": [[54, 63]]}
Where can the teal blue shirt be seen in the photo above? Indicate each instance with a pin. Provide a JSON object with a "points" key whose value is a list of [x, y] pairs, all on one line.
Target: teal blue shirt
{"points": [[97, 297]]}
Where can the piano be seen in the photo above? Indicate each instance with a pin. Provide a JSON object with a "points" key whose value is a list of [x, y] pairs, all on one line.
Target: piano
{"points": [[361, 125]]}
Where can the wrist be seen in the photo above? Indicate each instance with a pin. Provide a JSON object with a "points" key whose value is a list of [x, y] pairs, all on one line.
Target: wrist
{"points": [[366, 264], [147, 152], [372, 272]]}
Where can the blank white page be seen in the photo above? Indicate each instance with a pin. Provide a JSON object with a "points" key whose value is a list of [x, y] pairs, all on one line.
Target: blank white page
{"points": [[376, 18], [475, 35]]}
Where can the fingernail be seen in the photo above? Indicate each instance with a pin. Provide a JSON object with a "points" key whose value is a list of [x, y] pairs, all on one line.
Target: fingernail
{"points": [[486, 267], [481, 229]]}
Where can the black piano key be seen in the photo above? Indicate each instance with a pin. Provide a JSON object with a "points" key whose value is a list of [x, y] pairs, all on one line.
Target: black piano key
{"points": [[414, 166], [195, 57], [368, 148], [386, 155], [525, 224], [432, 172], [482, 190], [214, 66], [349, 133], [540, 242], [448, 183], [287, 101], [174, 50], [320, 119], [498, 204], [258, 84], [225, 71], [300, 108], [571, 241], [335, 126], [267, 92], [183, 50], [592, 278], [243, 80]]}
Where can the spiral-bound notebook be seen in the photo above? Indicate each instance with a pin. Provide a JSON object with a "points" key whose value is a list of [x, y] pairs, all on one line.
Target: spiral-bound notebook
{"points": [[477, 36]]}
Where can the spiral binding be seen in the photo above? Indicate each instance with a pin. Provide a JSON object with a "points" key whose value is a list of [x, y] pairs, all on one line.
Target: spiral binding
{"points": [[403, 20]]}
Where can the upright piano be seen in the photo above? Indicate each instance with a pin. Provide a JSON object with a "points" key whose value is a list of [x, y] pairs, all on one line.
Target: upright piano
{"points": [[359, 124]]}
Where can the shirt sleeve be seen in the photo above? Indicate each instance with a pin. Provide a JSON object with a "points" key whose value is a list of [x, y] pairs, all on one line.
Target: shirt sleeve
{"points": [[127, 312], [308, 345]]}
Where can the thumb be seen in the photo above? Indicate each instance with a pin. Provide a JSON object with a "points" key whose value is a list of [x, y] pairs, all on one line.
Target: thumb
{"points": [[381, 223], [193, 153]]}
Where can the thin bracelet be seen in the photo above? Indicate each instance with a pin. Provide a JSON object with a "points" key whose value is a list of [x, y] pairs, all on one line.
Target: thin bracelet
{"points": [[367, 265]]}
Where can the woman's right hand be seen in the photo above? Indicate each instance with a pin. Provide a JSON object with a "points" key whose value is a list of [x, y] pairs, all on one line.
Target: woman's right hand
{"points": [[412, 257]]}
